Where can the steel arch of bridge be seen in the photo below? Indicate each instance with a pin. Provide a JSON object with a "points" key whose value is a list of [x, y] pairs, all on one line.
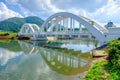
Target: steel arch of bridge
{"points": [[95, 29], [29, 30]]}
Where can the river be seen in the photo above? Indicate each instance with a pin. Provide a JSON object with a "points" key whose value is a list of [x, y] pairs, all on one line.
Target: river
{"points": [[25, 60]]}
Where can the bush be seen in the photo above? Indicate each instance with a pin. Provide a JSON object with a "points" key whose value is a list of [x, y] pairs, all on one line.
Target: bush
{"points": [[103, 70], [114, 52], [5, 34], [114, 73], [23, 38], [96, 72]]}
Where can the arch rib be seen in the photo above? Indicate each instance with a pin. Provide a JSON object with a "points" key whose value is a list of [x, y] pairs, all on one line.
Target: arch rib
{"points": [[95, 31], [29, 29]]}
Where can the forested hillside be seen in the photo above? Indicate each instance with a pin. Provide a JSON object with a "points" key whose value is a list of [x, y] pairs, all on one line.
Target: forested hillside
{"points": [[14, 24]]}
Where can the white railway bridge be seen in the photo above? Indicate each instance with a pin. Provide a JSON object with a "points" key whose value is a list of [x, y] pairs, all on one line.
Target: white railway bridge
{"points": [[66, 24]]}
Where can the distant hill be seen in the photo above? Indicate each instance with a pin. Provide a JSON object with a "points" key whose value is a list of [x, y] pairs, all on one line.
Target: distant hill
{"points": [[14, 24]]}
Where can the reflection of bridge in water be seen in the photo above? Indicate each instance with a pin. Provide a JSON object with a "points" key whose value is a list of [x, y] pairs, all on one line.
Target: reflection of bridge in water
{"points": [[28, 48], [64, 63]]}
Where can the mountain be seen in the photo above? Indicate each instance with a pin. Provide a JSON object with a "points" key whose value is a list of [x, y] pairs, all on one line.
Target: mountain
{"points": [[14, 24], [34, 20]]}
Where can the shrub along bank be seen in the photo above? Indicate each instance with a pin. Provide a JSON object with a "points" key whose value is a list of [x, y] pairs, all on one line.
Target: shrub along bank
{"points": [[114, 53], [107, 69]]}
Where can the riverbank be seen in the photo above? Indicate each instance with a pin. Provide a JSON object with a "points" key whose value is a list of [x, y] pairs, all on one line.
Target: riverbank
{"points": [[7, 35], [97, 71], [106, 68], [11, 35], [102, 70]]}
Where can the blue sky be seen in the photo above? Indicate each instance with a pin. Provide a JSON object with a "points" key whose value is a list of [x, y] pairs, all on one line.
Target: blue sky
{"points": [[101, 11]]}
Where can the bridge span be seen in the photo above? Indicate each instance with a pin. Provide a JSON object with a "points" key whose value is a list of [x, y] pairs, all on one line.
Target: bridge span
{"points": [[66, 24]]}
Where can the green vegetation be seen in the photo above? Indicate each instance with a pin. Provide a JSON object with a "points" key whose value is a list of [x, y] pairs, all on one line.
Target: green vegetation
{"points": [[24, 38], [114, 53], [84, 29], [7, 33], [50, 43], [107, 70], [114, 73], [11, 45], [96, 72], [14, 24], [34, 20], [103, 70]]}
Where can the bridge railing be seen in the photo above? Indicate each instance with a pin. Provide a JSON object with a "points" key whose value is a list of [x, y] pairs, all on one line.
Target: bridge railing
{"points": [[97, 26], [102, 29], [65, 32]]}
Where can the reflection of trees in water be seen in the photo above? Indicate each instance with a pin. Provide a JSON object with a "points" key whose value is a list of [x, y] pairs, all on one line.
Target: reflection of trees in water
{"points": [[45, 43], [11, 45], [17, 46]]}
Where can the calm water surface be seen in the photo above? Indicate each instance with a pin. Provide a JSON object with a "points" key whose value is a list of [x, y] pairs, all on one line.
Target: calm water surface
{"points": [[23, 60]]}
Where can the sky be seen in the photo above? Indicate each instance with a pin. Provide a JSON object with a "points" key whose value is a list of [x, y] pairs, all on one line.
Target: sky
{"points": [[101, 11]]}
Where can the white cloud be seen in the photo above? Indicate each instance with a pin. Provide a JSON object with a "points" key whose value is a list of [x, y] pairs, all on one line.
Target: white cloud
{"points": [[42, 8], [89, 5], [45, 8], [99, 10], [6, 55], [12, 1], [52, 7], [7, 13], [110, 11], [77, 11]]}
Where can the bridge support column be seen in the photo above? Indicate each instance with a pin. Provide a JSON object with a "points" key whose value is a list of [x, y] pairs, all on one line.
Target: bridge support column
{"points": [[80, 27], [34, 37], [70, 36], [63, 36], [67, 24], [63, 24], [71, 24], [56, 35], [90, 35], [60, 27], [47, 26], [57, 25], [79, 36]]}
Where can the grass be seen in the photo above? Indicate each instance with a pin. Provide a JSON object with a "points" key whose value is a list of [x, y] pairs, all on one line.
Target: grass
{"points": [[11, 33], [96, 71], [103, 70], [114, 73]]}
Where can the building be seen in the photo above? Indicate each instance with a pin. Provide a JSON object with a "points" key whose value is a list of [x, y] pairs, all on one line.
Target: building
{"points": [[113, 31], [110, 25]]}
